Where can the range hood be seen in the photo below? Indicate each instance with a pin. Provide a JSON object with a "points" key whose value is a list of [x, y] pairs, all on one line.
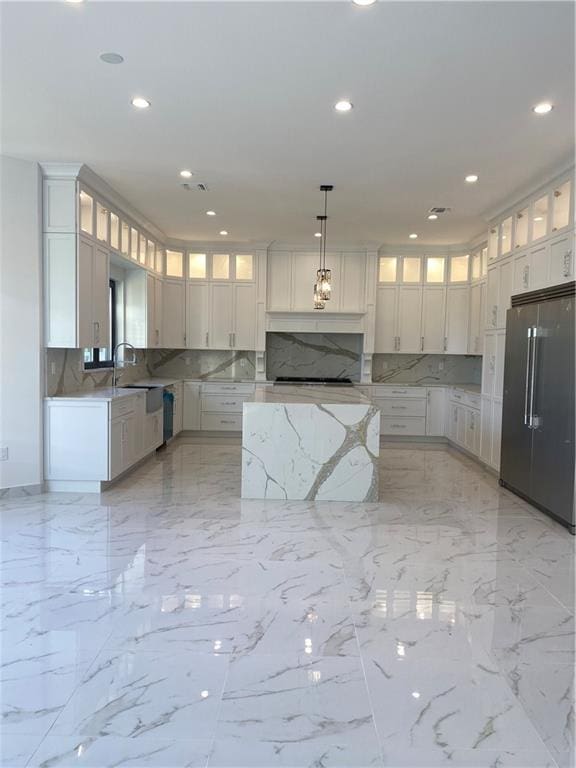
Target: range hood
{"points": [[315, 322]]}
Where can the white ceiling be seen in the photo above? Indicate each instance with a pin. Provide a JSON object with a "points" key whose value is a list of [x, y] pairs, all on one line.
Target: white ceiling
{"points": [[242, 94]]}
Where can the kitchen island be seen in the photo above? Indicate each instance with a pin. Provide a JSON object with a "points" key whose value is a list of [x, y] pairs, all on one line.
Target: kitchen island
{"points": [[310, 442]]}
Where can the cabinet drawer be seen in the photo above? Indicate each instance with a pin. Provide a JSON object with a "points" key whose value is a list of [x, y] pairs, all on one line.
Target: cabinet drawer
{"points": [[214, 388], [231, 403], [222, 421], [121, 406], [400, 406], [390, 391], [401, 425], [472, 400]]}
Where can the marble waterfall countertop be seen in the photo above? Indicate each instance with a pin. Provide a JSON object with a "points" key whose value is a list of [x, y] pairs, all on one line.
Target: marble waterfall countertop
{"points": [[310, 442], [318, 394]]}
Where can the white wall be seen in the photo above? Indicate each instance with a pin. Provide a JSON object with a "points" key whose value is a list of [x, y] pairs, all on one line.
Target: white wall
{"points": [[20, 323]]}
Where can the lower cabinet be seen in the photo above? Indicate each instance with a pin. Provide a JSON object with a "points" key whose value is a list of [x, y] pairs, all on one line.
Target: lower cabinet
{"points": [[491, 431], [88, 442], [191, 405], [215, 406], [436, 412], [463, 420]]}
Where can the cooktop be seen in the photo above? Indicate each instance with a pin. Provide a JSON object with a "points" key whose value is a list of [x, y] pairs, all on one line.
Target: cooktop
{"points": [[343, 382]]}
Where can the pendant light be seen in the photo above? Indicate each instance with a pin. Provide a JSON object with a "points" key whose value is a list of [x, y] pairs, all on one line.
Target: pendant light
{"points": [[323, 287]]}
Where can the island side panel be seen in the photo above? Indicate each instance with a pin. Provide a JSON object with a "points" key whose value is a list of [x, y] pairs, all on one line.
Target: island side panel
{"points": [[310, 451]]}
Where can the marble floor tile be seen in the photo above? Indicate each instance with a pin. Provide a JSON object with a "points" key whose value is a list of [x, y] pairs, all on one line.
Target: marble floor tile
{"points": [[297, 699], [100, 750], [169, 623], [141, 693]]}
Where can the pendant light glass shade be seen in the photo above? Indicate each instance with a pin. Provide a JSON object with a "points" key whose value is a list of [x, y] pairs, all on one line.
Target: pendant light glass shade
{"points": [[323, 284]]}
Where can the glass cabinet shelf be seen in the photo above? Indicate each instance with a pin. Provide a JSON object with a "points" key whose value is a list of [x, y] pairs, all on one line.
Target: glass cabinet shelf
{"points": [[174, 264], [197, 266], [493, 243], [86, 213], [388, 269], [521, 234], [561, 209]]}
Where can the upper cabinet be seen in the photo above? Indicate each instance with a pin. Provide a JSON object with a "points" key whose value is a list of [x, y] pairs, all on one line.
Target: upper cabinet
{"points": [[222, 267], [292, 274], [561, 205]]}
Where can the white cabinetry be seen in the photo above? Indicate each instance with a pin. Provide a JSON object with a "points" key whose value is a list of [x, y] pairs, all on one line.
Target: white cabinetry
{"points": [[477, 314], [402, 409], [153, 430], [174, 314], [197, 315], [221, 315], [409, 319], [561, 259], [463, 420], [436, 412], [457, 307], [143, 303], [499, 290], [154, 297], [191, 408], [221, 405], [385, 339], [125, 437], [432, 332]]}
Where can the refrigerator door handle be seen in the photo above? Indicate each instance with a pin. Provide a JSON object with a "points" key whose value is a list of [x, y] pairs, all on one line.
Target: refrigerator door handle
{"points": [[527, 380], [533, 420]]}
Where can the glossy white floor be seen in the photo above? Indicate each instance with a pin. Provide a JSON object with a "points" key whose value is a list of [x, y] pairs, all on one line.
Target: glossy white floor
{"points": [[168, 623]]}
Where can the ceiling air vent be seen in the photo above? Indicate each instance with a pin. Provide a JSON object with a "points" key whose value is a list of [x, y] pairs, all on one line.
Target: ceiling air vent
{"points": [[199, 187], [439, 209]]}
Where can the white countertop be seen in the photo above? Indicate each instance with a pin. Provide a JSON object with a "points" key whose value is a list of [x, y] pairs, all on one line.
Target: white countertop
{"points": [[307, 393], [104, 394]]}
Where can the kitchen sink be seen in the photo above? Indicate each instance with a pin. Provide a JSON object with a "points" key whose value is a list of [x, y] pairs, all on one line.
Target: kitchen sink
{"points": [[154, 396]]}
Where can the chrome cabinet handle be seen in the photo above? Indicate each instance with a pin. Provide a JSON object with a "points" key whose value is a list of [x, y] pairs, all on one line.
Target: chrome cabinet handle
{"points": [[495, 315], [421, 343], [527, 380], [206, 338], [567, 263], [157, 337], [398, 407], [398, 426], [525, 277], [445, 343], [533, 376]]}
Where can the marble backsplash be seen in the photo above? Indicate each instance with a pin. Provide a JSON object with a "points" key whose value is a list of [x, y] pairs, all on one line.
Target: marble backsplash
{"points": [[65, 369], [314, 354], [427, 369], [201, 364]]}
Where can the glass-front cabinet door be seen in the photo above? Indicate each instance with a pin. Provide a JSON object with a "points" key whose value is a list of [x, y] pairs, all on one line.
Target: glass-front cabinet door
{"points": [[387, 269], [435, 266], [506, 236], [101, 222], [244, 266], [476, 265], [134, 239], [114, 231], [197, 266], [86, 213], [220, 266], [142, 249], [411, 269], [150, 255], [125, 238], [521, 228], [174, 264], [540, 218], [160, 260], [493, 241], [561, 206], [459, 269]]}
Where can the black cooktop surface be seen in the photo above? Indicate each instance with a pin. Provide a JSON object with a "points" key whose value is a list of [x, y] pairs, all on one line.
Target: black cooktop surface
{"points": [[344, 382]]}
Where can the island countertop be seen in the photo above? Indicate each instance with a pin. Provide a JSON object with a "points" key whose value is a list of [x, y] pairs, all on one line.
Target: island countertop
{"points": [[308, 394]]}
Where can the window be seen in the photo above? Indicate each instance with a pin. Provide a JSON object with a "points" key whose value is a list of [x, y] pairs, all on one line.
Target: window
{"points": [[102, 357]]}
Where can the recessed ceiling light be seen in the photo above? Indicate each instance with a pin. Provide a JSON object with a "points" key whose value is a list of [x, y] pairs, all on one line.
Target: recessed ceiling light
{"points": [[543, 108], [140, 103], [317, 234], [343, 105], [538, 218], [186, 174], [74, 2], [413, 236], [432, 217], [111, 58], [363, 2], [223, 232], [210, 213], [472, 178]]}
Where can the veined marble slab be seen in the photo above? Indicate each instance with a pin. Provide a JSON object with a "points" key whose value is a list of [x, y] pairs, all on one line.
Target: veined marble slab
{"points": [[308, 442]]}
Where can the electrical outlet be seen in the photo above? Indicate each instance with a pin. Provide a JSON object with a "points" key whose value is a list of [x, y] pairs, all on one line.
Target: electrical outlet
{"points": [[3, 453]]}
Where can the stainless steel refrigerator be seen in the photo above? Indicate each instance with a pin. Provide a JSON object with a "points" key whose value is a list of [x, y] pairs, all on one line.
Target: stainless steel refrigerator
{"points": [[538, 459]]}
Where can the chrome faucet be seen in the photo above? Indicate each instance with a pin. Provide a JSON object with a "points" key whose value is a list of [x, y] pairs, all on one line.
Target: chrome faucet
{"points": [[115, 359]]}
